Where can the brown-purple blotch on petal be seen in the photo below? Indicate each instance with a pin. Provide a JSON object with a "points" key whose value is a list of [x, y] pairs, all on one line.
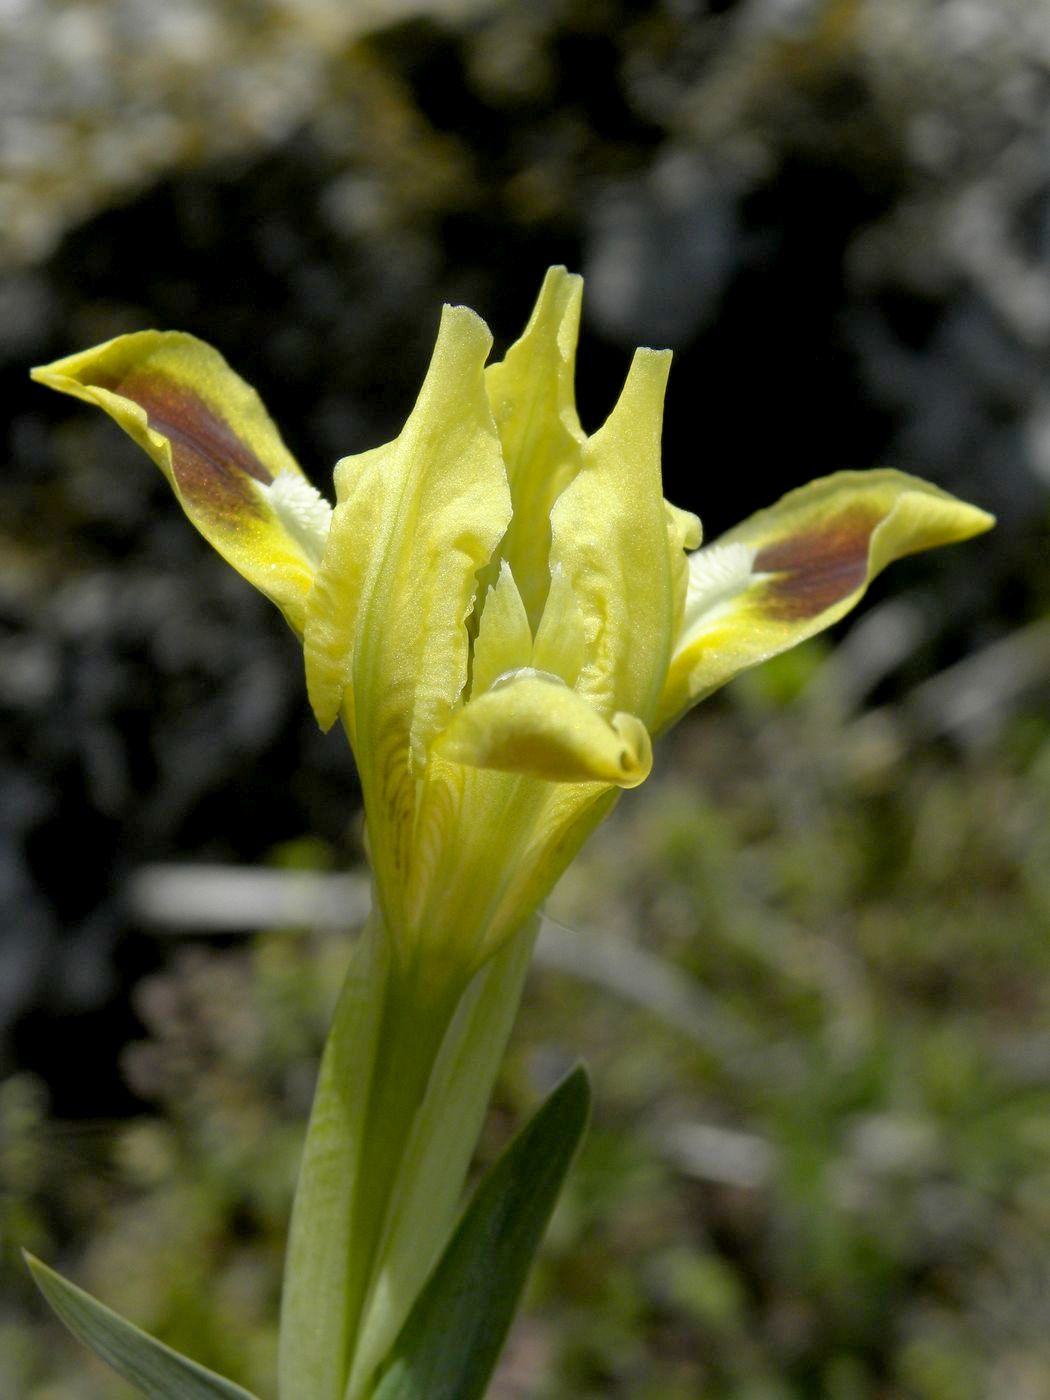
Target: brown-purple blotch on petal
{"points": [[817, 568], [210, 463], [210, 434]]}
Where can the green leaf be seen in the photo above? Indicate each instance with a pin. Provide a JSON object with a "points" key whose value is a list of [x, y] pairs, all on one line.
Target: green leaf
{"points": [[448, 1347], [322, 1262], [158, 1371]]}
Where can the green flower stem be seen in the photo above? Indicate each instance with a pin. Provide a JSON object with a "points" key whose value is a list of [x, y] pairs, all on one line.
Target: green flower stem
{"points": [[437, 1157], [405, 1078], [414, 1022]]}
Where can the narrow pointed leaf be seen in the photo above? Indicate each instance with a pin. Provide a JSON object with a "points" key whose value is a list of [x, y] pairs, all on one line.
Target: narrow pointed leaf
{"points": [[148, 1364], [449, 1346], [318, 1300]]}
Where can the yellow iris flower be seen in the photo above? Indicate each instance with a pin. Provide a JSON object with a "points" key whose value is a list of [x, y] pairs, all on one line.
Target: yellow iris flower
{"points": [[501, 608]]}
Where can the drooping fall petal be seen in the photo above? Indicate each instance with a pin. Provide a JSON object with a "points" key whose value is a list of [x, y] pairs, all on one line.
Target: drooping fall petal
{"points": [[212, 438], [794, 569]]}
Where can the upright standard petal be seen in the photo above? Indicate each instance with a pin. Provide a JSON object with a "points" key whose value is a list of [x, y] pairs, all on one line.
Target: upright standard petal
{"points": [[386, 638], [611, 540], [794, 569], [212, 438], [534, 405]]}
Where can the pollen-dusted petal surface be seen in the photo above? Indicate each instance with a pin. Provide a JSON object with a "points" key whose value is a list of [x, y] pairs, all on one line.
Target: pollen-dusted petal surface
{"points": [[794, 569], [209, 433], [536, 725]]}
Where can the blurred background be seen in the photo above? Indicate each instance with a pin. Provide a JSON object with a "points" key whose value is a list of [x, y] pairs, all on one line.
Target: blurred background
{"points": [[808, 961]]}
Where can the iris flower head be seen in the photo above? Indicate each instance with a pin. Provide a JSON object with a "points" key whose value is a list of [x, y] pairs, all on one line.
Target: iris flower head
{"points": [[500, 608]]}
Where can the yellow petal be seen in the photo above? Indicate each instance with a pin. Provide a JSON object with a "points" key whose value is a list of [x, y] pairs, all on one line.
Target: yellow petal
{"points": [[533, 402], [611, 539], [536, 725], [386, 638], [209, 433], [504, 640], [560, 644], [683, 533], [794, 569], [490, 845]]}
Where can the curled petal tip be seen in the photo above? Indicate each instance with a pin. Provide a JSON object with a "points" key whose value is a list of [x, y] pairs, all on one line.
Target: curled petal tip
{"points": [[636, 753], [536, 725]]}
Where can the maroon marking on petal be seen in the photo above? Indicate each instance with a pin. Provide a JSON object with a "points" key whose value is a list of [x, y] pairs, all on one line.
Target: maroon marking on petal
{"points": [[818, 567], [210, 462]]}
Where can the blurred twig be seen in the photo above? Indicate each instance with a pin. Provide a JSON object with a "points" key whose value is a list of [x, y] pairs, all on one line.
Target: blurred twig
{"points": [[222, 899], [967, 701], [205, 899]]}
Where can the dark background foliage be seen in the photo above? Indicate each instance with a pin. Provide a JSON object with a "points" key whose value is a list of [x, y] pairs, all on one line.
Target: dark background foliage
{"points": [[836, 212]]}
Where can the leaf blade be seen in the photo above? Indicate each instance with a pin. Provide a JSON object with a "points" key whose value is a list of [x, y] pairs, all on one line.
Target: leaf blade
{"points": [[154, 1368], [321, 1289], [449, 1345]]}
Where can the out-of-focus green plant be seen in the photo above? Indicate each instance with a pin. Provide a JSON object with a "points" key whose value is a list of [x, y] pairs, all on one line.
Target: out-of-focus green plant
{"points": [[501, 610]]}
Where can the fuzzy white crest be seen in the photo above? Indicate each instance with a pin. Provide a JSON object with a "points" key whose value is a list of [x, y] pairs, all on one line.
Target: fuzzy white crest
{"points": [[717, 574], [303, 512]]}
